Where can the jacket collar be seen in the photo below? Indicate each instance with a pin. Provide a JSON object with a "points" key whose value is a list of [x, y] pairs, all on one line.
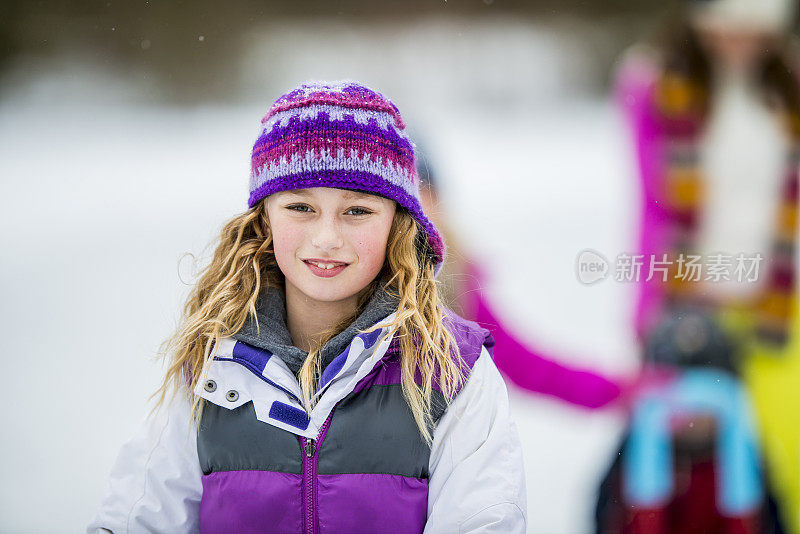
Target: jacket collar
{"points": [[273, 336], [239, 373]]}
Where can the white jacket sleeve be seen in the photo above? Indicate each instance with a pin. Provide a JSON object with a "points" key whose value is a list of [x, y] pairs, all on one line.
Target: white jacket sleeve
{"points": [[155, 484], [477, 481]]}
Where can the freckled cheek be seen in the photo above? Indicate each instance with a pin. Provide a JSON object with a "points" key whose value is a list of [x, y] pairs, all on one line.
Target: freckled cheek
{"points": [[287, 241], [371, 250]]}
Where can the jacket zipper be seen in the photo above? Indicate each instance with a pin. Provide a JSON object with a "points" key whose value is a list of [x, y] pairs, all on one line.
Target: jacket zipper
{"points": [[309, 451]]}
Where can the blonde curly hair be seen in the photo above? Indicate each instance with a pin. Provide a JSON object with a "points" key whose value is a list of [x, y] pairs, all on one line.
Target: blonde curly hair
{"points": [[244, 263]]}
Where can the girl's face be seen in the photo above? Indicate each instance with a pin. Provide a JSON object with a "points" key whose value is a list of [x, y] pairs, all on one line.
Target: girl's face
{"points": [[738, 47], [329, 243]]}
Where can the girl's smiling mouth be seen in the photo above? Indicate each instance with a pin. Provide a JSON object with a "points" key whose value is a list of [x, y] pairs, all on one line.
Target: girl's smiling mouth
{"points": [[325, 268]]}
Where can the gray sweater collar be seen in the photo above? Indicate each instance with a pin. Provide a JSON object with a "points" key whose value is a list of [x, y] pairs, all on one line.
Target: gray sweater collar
{"points": [[274, 336]]}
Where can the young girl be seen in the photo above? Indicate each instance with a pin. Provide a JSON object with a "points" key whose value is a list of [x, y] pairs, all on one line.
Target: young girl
{"points": [[316, 383]]}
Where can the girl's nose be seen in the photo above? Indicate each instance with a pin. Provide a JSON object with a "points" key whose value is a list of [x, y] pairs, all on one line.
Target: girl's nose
{"points": [[327, 235]]}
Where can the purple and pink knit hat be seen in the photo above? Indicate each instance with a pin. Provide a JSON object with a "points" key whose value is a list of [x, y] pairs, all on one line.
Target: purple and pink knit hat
{"points": [[339, 134]]}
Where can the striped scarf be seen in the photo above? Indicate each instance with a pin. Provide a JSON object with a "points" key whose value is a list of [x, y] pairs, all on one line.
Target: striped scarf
{"points": [[681, 105]]}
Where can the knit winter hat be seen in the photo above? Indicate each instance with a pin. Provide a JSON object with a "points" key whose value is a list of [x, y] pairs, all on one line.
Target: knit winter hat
{"points": [[339, 134]]}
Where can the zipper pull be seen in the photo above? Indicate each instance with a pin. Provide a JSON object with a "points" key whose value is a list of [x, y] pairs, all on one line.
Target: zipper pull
{"points": [[310, 448]]}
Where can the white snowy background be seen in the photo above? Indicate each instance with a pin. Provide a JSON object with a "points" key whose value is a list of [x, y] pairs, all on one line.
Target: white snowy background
{"points": [[103, 191]]}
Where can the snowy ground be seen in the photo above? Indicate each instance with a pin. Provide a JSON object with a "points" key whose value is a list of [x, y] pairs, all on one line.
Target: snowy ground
{"points": [[102, 196]]}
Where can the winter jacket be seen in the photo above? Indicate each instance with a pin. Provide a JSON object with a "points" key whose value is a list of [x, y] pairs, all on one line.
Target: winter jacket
{"points": [[258, 462]]}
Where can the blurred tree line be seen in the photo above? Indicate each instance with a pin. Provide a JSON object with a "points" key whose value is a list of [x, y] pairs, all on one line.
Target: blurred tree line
{"points": [[185, 44]]}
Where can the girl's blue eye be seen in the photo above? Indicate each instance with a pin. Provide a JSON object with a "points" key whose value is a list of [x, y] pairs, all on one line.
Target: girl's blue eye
{"points": [[298, 207], [360, 211]]}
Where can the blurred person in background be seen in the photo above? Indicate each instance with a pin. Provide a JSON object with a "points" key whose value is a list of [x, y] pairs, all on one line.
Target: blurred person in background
{"points": [[714, 112], [452, 278], [462, 286]]}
